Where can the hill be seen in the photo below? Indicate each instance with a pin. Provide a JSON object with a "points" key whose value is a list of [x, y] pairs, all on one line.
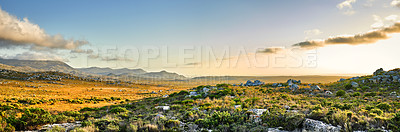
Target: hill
{"points": [[133, 73], [39, 65], [107, 71]]}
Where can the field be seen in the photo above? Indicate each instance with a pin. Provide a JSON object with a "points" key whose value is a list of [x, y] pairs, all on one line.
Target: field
{"points": [[68, 95], [31, 100]]}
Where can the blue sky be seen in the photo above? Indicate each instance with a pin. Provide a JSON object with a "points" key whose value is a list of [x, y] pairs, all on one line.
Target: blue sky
{"points": [[251, 24]]}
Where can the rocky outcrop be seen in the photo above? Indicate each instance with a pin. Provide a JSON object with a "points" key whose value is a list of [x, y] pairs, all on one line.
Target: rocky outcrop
{"points": [[319, 126], [255, 83]]}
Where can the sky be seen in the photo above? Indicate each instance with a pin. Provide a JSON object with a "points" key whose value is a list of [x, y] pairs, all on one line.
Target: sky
{"points": [[207, 37]]}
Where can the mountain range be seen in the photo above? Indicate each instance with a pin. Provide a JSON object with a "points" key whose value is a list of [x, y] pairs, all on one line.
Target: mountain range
{"points": [[46, 65]]}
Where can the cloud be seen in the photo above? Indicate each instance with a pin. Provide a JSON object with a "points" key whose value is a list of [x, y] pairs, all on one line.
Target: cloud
{"points": [[88, 51], [312, 33], [369, 3], [36, 56], [271, 50], [381, 23], [347, 7], [16, 32], [395, 3], [364, 38]]}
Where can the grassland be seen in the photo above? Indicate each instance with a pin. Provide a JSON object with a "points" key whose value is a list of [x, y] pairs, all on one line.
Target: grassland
{"points": [[51, 97]]}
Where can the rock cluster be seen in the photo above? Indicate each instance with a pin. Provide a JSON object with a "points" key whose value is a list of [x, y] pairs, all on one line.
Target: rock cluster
{"points": [[255, 83], [319, 126], [379, 76]]}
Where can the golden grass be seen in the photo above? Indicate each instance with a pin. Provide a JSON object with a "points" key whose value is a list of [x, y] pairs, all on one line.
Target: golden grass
{"points": [[75, 89]]}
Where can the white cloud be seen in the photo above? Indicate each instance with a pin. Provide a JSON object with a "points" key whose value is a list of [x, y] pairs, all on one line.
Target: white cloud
{"points": [[312, 33], [347, 7], [35, 56], [384, 22], [392, 18], [16, 32], [395, 3], [369, 3]]}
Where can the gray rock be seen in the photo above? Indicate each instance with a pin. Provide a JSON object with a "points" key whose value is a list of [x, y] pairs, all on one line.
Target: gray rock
{"points": [[319, 126], [354, 84], [316, 87], [378, 71], [294, 87], [395, 78]]}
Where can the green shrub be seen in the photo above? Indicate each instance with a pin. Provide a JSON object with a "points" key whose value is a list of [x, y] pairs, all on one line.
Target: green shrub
{"points": [[370, 94], [356, 94], [383, 106], [118, 109], [172, 123], [348, 86], [364, 88], [340, 93], [376, 111], [183, 92]]}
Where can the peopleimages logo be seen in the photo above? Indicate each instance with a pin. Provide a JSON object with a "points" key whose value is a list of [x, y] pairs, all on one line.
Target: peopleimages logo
{"points": [[202, 57]]}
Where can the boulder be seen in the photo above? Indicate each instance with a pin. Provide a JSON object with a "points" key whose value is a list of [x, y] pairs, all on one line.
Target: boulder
{"points": [[294, 87], [328, 93], [319, 126], [315, 87], [378, 71], [354, 84], [395, 78], [391, 72]]}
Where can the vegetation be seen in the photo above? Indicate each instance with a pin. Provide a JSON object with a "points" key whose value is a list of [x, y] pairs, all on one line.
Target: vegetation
{"points": [[221, 107]]}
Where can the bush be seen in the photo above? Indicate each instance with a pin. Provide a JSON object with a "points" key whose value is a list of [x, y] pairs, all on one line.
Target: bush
{"points": [[32, 118], [376, 111], [356, 94], [118, 109], [183, 92], [172, 123], [348, 86], [132, 128], [395, 122], [112, 128], [383, 106], [56, 129], [364, 88], [340, 93], [371, 94], [289, 121]]}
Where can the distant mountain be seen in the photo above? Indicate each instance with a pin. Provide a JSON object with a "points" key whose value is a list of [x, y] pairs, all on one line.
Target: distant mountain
{"points": [[133, 73], [19, 69], [109, 71], [39, 65], [163, 75]]}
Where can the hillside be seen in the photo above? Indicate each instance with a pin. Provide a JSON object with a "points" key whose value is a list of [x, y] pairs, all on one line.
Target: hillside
{"points": [[31, 65], [107, 71], [163, 75], [133, 73], [354, 104], [19, 68]]}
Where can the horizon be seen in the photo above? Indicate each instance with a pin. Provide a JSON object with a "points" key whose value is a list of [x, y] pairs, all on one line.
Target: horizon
{"points": [[207, 38]]}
